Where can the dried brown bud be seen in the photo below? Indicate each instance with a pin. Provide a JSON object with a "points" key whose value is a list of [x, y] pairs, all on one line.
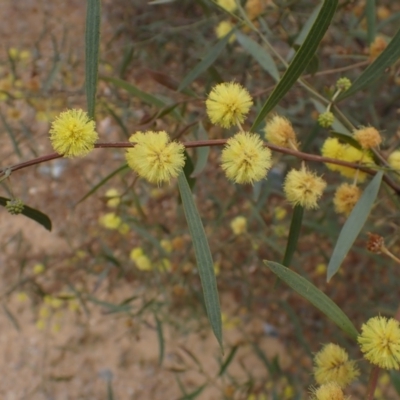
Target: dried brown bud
{"points": [[375, 243]]}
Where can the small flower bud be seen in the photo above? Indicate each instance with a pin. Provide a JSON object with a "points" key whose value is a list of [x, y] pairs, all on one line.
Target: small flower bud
{"points": [[326, 119], [15, 206], [343, 84]]}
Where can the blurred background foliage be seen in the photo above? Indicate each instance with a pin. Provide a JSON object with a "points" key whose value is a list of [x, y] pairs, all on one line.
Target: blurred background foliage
{"points": [[120, 250]]}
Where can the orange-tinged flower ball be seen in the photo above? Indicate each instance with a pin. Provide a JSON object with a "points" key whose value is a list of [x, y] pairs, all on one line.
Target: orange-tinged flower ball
{"points": [[73, 133], [245, 159], [368, 137], [376, 47], [346, 197], [303, 188], [332, 364], [228, 104], [279, 131], [380, 342], [154, 157]]}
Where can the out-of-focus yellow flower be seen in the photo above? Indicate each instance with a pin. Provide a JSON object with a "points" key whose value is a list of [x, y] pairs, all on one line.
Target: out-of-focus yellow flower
{"points": [[53, 302], [110, 221], [280, 213], [332, 364], [40, 324], [217, 268], [376, 47], [73, 133], [166, 245], [279, 131], [228, 5], [245, 159], [143, 263], [44, 312], [380, 342], [165, 265], [223, 28], [114, 197], [320, 269], [346, 197], [73, 305], [154, 157], [239, 225], [303, 188], [394, 160], [254, 8], [22, 297], [230, 322], [38, 268], [228, 103], [288, 392], [123, 229], [136, 253], [56, 327], [368, 137]]}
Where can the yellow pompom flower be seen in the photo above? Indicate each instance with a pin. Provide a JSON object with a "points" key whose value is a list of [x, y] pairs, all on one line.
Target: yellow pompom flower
{"points": [[332, 148], [154, 157], [73, 133], [239, 225], [380, 342], [110, 221], [329, 391], [143, 263], [346, 197], [223, 28], [228, 5], [332, 364], [245, 159], [368, 137], [228, 103], [114, 198], [394, 160], [279, 131], [303, 188]]}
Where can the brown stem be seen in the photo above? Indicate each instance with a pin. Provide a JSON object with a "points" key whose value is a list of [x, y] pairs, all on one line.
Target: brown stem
{"points": [[218, 142], [373, 380]]}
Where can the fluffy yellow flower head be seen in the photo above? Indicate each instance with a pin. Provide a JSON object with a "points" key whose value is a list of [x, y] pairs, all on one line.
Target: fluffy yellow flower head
{"points": [[239, 225], [332, 364], [73, 134], [303, 188], [154, 157], [394, 160], [245, 159], [279, 130], [368, 137], [332, 148], [380, 342], [228, 103], [228, 5], [110, 221], [329, 391], [346, 197], [223, 28]]}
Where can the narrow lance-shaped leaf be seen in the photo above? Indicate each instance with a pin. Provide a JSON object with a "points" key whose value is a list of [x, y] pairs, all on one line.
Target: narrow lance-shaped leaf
{"points": [[300, 61], [319, 299], [375, 70], [354, 224], [294, 234], [204, 260], [92, 52], [206, 62]]}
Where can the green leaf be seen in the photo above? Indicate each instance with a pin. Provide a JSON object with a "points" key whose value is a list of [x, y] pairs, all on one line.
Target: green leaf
{"points": [[375, 70], [300, 61], [101, 183], [204, 260], [134, 91], [31, 213], [319, 299], [294, 234], [228, 360], [161, 342], [370, 14], [259, 54], [206, 62], [92, 36], [201, 152], [354, 224], [395, 378], [11, 134]]}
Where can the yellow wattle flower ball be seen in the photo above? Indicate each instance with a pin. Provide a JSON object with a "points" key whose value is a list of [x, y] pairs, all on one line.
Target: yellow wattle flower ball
{"points": [[228, 5], [332, 148], [245, 159], [332, 364], [228, 103], [303, 188], [223, 28], [380, 342], [73, 133], [394, 160], [329, 391], [346, 197], [239, 225], [368, 137], [154, 157], [279, 131], [110, 221]]}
